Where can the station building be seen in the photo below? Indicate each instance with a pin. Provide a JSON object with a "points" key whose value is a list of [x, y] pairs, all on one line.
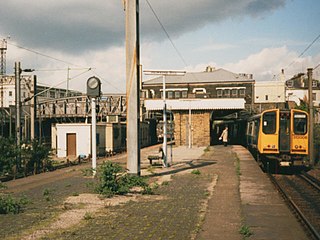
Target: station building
{"points": [[198, 101]]}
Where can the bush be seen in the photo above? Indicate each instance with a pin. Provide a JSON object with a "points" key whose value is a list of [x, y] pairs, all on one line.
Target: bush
{"points": [[36, 157], [113, 179], [8, 204], [8, 155]]}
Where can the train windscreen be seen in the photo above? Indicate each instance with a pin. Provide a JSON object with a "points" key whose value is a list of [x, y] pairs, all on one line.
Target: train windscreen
{"points": [[300, 123], [269, 123]]}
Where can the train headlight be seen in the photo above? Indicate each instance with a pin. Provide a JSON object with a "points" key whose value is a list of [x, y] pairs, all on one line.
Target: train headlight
{"points": [[296, 146]]}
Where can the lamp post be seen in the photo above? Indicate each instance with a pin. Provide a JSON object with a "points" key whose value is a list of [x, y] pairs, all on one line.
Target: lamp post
{"points": [[164, 73], [93, 91]]}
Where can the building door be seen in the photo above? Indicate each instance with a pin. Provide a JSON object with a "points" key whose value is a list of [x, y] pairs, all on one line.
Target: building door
{"points": [[71, 144]]}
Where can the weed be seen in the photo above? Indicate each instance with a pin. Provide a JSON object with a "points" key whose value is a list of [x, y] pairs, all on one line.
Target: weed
{"points": [[8, 204], [196, 172], [113, 179], [3, 186], [245, 231], [87, 172], [75, 194], [238, 166], [46, 193], [207, 193], [87, 216], [207, 149], [165, 183]]}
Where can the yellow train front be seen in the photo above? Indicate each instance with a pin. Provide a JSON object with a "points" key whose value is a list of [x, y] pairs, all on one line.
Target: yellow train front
{"points": [[279, 137]]}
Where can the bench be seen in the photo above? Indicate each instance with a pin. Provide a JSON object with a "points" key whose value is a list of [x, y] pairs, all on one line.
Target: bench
{"points": [[153, 158]]}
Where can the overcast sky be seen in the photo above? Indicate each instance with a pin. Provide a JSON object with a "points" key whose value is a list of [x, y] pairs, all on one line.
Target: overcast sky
{"points": [[242, 36]]}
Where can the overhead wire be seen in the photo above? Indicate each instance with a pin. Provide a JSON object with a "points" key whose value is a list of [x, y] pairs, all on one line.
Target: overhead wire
{"points": [[167, 34], [170, 39], [43, 55], [62, 69], [304, 51]]}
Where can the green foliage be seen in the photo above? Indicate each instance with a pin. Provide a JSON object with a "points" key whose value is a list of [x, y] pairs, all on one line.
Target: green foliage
{"points": [[87, 216], [8, 154], [36, 157], [113, 179], [46, 193], [245, 231], [196, 172], [8, 204]]}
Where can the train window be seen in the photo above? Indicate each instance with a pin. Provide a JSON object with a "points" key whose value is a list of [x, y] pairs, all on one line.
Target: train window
{"points": [[300, 123], [269, 123]]}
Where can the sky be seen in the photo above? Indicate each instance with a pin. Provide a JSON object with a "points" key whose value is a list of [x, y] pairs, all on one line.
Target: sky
{"points": [[77, 39]]}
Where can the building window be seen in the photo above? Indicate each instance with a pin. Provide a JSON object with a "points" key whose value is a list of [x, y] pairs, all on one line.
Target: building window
{"points": [[234, 92], [226, 92], [314, 84], [314, 96], [267, 97], [242, 92], [52, 94], [177, 94], [290, 83], [199, 90], [184, 94], [219, 92], [10, 93], [170, 94]]}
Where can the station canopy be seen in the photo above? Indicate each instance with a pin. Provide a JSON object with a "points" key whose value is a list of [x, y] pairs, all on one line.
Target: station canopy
{"points": [[195, 104]]}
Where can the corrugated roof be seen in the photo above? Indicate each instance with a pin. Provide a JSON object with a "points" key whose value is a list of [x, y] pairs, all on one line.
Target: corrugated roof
{"points": [[219, 75], [195, 104]]}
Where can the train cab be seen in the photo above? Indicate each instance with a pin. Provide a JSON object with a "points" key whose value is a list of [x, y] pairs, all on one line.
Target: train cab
{"points": [[279, 135]]}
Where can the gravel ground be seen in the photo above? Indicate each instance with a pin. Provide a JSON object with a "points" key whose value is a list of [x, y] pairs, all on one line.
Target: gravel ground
{"points": [[175, 211]]}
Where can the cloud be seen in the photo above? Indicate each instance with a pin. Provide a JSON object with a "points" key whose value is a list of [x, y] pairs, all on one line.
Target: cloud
{"points": [[266, 65], [79, 26]]}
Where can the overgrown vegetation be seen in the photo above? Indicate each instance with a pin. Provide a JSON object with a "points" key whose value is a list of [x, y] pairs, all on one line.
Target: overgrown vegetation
{"points": [[245, 231], [113, 179], [25, 159], [8, 155], [10, 205], [196, 172]]}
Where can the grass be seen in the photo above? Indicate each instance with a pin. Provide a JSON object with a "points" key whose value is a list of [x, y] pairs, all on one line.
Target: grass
{"points": [[245, 231], [196, 172]]}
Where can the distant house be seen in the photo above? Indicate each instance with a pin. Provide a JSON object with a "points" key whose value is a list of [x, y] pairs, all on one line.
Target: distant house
{"points": [[196, 99], [297, 91], [269, 94]]}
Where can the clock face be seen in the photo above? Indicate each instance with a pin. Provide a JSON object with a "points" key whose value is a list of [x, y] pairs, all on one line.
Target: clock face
{"points": [[93, 82]]}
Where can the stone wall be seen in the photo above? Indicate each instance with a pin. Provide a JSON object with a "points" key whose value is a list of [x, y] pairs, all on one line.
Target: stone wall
{"points": [[200, 128]]}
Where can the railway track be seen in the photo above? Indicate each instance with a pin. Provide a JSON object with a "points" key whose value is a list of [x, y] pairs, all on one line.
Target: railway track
{"points": [[302, 193]]}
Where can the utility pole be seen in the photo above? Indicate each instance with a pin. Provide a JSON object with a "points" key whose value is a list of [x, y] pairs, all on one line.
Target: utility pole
{"points": [[132, 85], [3, 48], [18, 103], [311, 116], [18, 110]]}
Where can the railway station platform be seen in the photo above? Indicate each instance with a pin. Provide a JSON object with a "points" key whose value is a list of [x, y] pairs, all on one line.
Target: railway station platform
{"points": [[243, 198]]}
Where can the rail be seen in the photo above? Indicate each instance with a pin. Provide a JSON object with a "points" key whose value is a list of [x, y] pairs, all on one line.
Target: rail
{"points": [[294, 206]]}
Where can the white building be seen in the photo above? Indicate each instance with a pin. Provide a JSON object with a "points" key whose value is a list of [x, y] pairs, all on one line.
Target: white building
{"points": [[269, 92], [74, 139]]}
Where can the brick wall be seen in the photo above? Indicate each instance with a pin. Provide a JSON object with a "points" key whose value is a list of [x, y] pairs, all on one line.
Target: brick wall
{"points": [[200, 125]]}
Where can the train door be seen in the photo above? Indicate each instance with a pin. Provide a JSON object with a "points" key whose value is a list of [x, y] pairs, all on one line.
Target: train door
{"points": [[284, 132]]}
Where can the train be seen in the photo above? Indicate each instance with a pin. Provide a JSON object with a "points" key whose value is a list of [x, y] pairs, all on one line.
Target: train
{"points": [[278, 138]]}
